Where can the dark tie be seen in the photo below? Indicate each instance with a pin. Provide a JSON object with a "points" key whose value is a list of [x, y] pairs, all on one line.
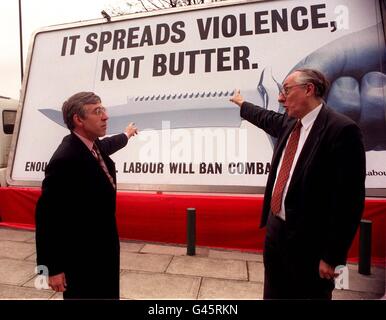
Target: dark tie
{"points": [[285, 168], [102, 163]]}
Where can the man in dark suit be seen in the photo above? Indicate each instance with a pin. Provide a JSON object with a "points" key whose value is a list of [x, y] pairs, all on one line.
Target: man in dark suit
{"points": [[76, 231], [315, 190]]}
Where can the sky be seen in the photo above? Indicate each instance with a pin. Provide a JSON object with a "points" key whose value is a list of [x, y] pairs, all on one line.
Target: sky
{"points": [[35, 14]]}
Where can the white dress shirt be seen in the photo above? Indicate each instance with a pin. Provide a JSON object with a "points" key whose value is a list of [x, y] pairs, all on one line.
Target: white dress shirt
{"points": [[307, 123]]}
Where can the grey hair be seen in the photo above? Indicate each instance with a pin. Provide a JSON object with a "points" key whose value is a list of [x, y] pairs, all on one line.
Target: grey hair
{"points": [[74, 105], [315, 77]]}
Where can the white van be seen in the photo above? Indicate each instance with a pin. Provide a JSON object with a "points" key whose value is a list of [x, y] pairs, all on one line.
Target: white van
{"points": [[8, 109]]}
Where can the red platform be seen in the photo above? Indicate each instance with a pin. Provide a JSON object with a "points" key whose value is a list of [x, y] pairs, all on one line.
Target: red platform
{"points": [[223, 221]]}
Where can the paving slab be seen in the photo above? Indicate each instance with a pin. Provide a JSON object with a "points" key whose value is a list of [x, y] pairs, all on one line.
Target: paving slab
{"points": [[16, 235], [173, 250], [22, 293], [16, 272], [354, 295], [164, 249], [164, 271], [255, 271], [374, 283], [208, 267], [230, 289], [376, 272], [41, 283], [365, 284], [131, 246], [16, 249], [149, 286], [57, 296], [235, 255], [32, 257], [145, 262], [32, 240]]}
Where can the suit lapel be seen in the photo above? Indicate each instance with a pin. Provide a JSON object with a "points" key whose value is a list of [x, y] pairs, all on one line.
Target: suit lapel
{"points": [[311, 145], [82, 149], [85, 153]]}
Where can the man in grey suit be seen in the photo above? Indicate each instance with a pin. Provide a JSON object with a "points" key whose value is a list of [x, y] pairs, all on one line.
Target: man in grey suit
{"points": [[314, 197], [76, 232]]}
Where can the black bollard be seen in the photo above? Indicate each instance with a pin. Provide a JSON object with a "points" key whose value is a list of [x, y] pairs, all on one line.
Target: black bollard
{"points": [[364, 265], [191, 231]]}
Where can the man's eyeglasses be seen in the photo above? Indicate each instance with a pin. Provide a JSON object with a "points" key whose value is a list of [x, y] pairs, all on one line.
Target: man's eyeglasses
{"points": [[286, 90], [98, 111]]}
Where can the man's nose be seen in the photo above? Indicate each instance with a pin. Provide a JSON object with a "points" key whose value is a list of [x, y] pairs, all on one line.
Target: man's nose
{"points": [[281, 98], [105, 116]]}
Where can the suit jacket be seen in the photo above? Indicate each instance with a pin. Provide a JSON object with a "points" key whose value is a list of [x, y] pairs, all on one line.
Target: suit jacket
{"points": [[76, 229], [325, 198]]}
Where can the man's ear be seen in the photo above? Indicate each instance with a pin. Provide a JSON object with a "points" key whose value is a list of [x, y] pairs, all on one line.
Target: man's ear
{"points": [[78, 121], [311, 89]]}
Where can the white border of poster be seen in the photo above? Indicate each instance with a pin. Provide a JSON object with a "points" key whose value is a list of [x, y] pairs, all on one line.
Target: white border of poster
{"points": [[172, 72]]}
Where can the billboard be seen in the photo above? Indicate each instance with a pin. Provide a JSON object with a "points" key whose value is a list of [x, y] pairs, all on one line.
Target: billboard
{"points": [[172, 72]]}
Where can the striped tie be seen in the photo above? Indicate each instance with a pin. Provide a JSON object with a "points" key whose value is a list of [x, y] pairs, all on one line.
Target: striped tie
{"points": [[103, 164], [285, 168]]}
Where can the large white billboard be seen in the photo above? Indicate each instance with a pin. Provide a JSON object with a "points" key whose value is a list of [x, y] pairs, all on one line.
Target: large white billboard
{"points": [[173, 72]]}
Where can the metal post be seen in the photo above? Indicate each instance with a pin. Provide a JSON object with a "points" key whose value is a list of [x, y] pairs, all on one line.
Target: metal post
{"points": [[364, 265], [191, 231], [21, 43]]}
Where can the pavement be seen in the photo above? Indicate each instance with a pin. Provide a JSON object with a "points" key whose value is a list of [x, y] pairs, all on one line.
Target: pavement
{"points": [[154, 271]]}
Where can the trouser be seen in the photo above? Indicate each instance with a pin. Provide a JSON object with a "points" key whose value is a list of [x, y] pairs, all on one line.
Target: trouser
{"points": [[291, 272], [90, 285]]}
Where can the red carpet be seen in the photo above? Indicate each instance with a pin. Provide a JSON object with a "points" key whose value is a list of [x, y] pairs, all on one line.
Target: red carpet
{"points": [[222, 221]]}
